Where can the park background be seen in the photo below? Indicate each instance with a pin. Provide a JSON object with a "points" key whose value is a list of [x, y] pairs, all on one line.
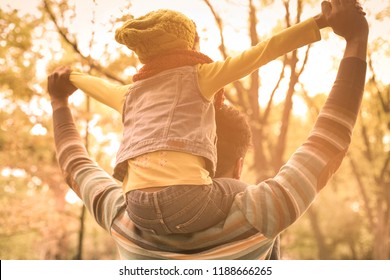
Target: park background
{"points": [[40, 218]]}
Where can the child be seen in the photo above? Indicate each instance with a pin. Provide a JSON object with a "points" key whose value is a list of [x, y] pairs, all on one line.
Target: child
{"points": [[167, 157]]}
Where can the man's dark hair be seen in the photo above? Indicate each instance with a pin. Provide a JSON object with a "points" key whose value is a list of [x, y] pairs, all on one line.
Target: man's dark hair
{"points": [[234, 137]]}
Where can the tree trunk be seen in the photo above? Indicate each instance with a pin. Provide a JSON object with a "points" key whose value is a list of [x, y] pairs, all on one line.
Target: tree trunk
{"points": [[323, 252]]}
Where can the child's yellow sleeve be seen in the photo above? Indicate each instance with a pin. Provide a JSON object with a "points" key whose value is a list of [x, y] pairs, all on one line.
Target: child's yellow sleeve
{"points": [[111, 94], [216, 75]]}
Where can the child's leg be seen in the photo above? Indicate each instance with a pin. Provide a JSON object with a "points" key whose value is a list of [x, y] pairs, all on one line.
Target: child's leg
{"points": [[211, 209], [182, 209]]}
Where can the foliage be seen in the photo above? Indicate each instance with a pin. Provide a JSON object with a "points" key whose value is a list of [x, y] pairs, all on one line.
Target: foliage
{"points": [[349, 220]]}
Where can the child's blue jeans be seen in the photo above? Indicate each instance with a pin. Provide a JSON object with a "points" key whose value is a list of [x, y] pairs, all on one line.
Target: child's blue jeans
{"points": [[183, 209]]}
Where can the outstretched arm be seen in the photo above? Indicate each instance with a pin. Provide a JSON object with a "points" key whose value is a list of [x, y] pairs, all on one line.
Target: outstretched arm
{"points": [[111, 94], [283, 199], [216, 75]]}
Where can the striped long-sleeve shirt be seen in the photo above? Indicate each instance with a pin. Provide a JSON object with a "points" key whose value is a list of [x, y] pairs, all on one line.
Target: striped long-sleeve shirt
{"points": [[257, 215]]}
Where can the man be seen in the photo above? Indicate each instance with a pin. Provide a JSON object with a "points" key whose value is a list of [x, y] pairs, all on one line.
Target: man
{"points": [[234, 138], [259, 213]]}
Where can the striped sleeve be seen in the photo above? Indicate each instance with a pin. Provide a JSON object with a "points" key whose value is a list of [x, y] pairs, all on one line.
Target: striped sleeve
{"points": [[273, 205], [100, 193]]}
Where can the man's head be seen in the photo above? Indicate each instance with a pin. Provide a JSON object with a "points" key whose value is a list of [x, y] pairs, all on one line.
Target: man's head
{"points": [[234, 138], [157, 32]]}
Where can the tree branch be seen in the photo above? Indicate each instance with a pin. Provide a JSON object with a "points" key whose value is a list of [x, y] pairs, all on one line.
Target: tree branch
{"points": [[385, 105], [384, 171], [93, 64], [270, 101], [240, 89], [363, 192], [304, 60], [218, 20], [286, 4], [253, 90], [309, 101]]}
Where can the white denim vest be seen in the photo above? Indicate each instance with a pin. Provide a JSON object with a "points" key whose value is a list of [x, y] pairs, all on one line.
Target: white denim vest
{"points": [[167, 112]]}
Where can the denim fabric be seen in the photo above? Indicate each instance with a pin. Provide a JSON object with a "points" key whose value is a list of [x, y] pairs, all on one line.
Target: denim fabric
{"points": [[182, 209], [167, 112]]}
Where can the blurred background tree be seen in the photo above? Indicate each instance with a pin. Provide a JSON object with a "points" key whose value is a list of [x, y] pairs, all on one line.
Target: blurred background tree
{"points": [[39, 217]]}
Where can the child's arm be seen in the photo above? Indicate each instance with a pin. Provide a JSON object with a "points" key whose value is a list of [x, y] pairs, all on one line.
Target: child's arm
{"points": [[216, 75], [111, 94]]}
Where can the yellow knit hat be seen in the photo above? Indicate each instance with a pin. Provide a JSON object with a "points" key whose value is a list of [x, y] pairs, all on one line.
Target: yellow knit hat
{"points": [[157, 32]]}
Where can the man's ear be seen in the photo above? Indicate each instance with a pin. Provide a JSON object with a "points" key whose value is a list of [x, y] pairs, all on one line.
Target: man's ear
{"points": [[238, 168]]}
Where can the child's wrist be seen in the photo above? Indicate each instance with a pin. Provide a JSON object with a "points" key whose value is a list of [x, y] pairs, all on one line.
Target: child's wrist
{"points": [[321, 21]]}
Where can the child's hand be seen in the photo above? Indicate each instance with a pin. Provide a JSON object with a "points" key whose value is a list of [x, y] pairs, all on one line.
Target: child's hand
{"points": [[59, 85], [326, 18], [346, 17], [321, 19]]}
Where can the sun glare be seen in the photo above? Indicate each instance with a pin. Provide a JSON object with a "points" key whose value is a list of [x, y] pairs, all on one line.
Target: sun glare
{"points": [[38, 129], [72, 198]]}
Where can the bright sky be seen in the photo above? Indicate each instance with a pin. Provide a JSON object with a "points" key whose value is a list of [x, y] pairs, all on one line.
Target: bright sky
{"points": [[319, 73]]}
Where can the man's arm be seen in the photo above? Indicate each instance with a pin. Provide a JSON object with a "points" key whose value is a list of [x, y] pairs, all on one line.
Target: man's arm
{"points": [[93, 185], [274, 204]]}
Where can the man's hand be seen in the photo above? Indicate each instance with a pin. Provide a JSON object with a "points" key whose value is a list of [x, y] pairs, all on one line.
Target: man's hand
{"points": [[346, 17], [59, 87]]}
